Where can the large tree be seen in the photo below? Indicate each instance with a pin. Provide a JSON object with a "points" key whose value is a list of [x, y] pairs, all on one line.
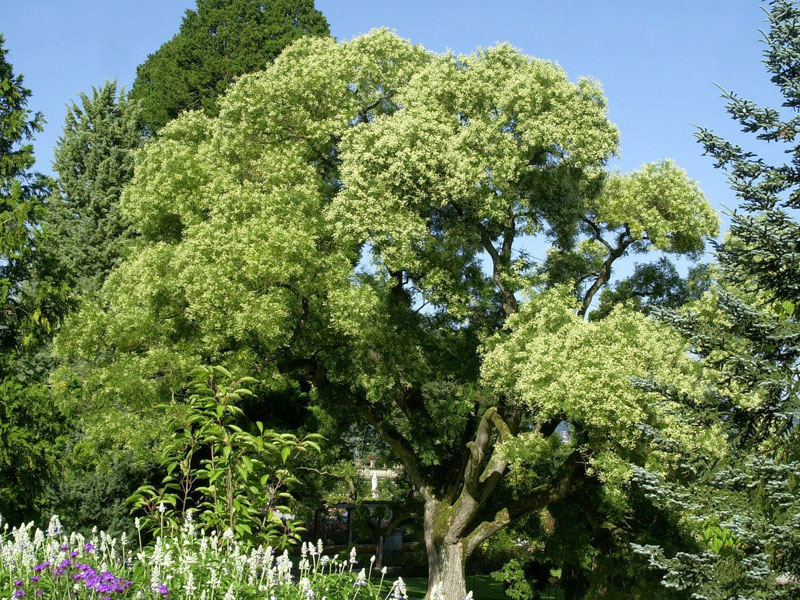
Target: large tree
{"points": [[326, 233], [217, 43], [32, 298], [747, 334]]}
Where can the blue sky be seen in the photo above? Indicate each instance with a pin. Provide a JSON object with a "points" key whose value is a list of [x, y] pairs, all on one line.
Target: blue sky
{"points": [[658, 60]]}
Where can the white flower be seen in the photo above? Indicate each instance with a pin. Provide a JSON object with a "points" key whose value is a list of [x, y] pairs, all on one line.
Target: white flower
{"points": [[400, 589], [189, 587], [214, 580]]}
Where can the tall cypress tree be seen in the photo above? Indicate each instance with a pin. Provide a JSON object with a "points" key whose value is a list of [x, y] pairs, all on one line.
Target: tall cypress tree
{"points": [[218, 42], [748, 508]]}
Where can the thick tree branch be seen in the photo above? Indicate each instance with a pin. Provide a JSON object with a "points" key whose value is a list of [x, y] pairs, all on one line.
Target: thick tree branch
{"points": [[598, 234], [477, 449], [562, 486], [624, 240], [479, 485], [510, 305], [496, 467], [397, 442]]}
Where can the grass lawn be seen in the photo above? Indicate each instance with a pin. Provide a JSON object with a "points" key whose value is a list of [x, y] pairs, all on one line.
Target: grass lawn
{"points": [[483, 588]]}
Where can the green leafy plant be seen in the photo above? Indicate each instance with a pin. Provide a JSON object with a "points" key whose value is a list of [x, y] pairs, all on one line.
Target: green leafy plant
{"points": [[237, 480], [718, 538], [516, 585]]}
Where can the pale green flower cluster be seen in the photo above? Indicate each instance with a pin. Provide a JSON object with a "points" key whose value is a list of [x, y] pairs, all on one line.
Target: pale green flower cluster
{"points": [[566, 368]]}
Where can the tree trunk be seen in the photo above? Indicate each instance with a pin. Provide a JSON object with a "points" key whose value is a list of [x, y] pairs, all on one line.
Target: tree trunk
{"points": [[447, 556]]}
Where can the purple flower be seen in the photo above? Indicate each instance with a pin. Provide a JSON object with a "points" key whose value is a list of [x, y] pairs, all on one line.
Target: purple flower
{"points": [[74, 553], [19, 593], [65, 547], [18, 582], [40, 592], [88, 547], [162, 589], [41, 566], [34, 578]]}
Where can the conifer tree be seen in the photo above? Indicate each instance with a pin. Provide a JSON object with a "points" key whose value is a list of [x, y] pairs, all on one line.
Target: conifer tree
{"points": [[32, 298], [217, 42], [749, 338], [94, 160]]}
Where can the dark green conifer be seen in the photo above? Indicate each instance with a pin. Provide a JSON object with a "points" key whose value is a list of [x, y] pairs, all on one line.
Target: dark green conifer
{"points": [[217, 42], [32, 299], [747, 509], [94, 160]]}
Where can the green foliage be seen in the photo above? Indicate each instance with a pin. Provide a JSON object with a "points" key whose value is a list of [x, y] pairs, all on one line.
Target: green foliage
{"points": [[218, 42], [745, 511], [516, 585], [30, 292], [94, 160], [655, 208], [564, 368], [654, 285], [237, 480], [32, 300], [97, 473], [325, 232], [660, 206], [32, 432]]}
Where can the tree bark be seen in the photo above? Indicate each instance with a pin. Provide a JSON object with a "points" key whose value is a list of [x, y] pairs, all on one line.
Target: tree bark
{"points": [[447, 555]]}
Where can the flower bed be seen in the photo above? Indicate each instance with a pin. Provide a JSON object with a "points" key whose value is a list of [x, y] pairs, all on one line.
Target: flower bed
{"points": [[187, 564]]}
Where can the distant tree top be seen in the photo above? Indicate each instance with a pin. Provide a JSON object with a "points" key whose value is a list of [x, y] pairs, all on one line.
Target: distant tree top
{"points": [[217, 42]]}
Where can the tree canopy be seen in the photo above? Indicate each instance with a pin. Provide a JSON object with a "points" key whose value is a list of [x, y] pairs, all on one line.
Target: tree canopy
{"points": [[350, 229], [93, 160], [218, 42], [32, 300]]}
